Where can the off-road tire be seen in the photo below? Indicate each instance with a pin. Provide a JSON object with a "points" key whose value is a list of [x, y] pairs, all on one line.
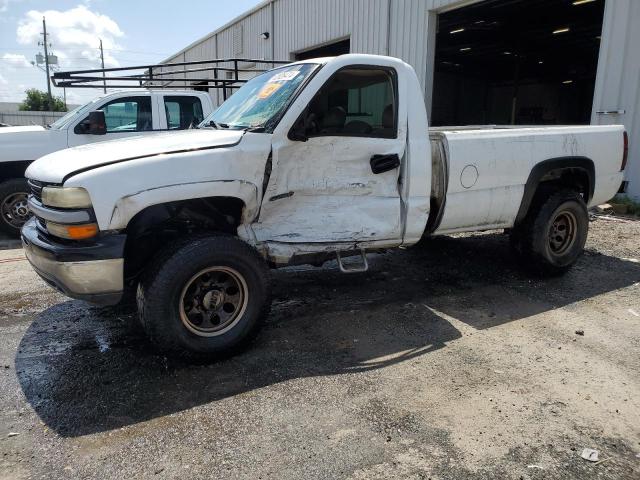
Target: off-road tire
{"points": [[7, 189], [162, 288], [534, 241]]}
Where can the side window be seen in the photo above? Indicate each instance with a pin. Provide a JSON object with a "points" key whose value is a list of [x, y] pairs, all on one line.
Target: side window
{"points": [[359, 102], [182, 112], [130, 114]]}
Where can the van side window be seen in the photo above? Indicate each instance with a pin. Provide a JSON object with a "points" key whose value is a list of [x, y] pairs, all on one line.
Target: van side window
{"points": [[182, 112], [130, 114], [358, 102]]}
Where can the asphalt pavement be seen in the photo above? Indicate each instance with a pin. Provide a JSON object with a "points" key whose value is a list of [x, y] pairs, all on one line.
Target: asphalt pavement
{"points": [[446, 361]]}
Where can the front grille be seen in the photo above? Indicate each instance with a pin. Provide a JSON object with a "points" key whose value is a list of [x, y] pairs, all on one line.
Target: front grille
{"points": [[36, 189], [41, 224]]}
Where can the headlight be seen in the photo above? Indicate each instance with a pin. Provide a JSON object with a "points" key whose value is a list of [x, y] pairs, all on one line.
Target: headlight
{"points": [[70, 197], [73, 232]]}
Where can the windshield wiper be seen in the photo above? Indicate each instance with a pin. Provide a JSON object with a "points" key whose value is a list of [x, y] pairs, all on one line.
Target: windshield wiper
{"points": [[255, 129], [216, 125]]}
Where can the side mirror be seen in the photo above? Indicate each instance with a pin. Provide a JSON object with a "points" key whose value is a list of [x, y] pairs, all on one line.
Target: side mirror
{"points": [[94, 124]]}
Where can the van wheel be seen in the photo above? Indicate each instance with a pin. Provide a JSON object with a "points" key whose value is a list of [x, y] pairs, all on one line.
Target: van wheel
{"points": [[204, 297], [552, 236], [13, 206]]}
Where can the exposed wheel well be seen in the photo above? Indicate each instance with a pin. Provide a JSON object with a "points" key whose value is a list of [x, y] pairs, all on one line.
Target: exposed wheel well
{"points": [[9, 170], [155, 226], [546, 178]]}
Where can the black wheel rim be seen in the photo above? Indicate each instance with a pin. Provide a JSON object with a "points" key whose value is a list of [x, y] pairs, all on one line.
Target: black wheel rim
{"points": [[15, 211], [213, 301], [562, 233]]}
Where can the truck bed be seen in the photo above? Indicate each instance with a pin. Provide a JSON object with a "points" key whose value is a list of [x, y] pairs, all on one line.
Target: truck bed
{"points": [[480, 172]]}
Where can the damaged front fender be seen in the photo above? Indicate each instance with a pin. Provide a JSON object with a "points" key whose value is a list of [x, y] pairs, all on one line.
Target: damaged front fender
{"points": [[127, 207]]}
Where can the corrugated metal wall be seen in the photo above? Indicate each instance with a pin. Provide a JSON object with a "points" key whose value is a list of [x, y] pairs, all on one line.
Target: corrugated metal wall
{"points": [[618, 78], [406, 29], [300, 25]]}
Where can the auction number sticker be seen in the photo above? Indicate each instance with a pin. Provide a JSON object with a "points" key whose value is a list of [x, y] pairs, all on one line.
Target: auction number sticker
{"points": [[284, 76], [276, 82]]}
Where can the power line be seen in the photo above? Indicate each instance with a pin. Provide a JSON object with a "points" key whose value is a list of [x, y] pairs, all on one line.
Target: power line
{"points": [[135, 51], [15, 66], [106, 49]]}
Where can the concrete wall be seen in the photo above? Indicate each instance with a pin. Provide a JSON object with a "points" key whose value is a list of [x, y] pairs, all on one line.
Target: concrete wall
{"points": [[10, 113], [406, 29], [16, 118]]}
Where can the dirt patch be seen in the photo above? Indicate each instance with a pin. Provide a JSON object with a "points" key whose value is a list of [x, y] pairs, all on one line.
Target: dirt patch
{"points": [[447, 361]]}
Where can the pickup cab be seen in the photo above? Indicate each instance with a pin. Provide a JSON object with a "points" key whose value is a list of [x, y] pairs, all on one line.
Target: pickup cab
{"points": [[119, 115], [314, 161]]}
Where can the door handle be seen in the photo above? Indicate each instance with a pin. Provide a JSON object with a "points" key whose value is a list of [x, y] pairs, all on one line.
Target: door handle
{"points": [[620, 111], [384, 163]]}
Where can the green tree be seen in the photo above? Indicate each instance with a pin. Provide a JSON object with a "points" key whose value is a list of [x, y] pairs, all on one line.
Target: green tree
{"points": [[36, 101]]}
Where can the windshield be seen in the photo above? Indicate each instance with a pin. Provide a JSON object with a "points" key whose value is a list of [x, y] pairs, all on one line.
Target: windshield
{"points": [[260, 101], [76, 112]]}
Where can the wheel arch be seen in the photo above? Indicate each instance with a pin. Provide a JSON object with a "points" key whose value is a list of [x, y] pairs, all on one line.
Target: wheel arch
{"points": [[570, 171], [129, 207], [11, 170], [156, 225], [151, 227]]}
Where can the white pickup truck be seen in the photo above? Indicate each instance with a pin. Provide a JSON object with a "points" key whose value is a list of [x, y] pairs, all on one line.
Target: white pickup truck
{"points": [[124, 114], [306, 163]]}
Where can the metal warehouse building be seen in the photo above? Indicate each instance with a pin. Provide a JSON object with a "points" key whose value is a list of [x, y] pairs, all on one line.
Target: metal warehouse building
{"points": [[519, 62]]}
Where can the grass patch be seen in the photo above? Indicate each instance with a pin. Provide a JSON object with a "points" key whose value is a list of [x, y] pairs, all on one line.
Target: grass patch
{"points": [[633, 206]]}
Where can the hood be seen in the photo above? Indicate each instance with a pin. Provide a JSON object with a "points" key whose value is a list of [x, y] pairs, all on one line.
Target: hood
{"points": [[58, 166], [29, 128], [29, 143]]}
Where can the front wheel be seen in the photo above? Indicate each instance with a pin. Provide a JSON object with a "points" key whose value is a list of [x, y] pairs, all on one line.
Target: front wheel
{"points": [[553, 235], [205, 297], [13, 206]]}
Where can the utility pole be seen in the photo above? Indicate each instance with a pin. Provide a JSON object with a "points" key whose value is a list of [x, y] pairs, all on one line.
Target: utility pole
{"points": [[46, 62], [104, 82]]}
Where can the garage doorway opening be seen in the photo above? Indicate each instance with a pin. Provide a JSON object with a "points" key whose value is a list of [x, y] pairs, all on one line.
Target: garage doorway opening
{"points": [[334, 49], [200, 86], [518, 62]]}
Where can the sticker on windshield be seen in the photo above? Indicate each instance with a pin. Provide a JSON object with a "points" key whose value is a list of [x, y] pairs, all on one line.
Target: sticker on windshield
{"points": [[277, 81], [284, 76], [268, 90]]}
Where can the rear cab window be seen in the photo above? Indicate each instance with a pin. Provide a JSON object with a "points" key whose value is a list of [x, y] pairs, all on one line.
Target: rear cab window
{"points": [[129, 114], [182, 112]]}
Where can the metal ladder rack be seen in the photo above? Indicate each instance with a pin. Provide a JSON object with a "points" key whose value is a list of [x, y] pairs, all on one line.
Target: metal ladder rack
{"points": [[225, 75]]}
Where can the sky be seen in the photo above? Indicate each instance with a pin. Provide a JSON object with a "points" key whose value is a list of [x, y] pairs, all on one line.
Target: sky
{"points": [[133, 32]]}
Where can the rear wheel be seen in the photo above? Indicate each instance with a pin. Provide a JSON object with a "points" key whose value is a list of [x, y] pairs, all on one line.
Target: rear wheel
{"points": [[552, 236], [205, 297], [13, 206]]}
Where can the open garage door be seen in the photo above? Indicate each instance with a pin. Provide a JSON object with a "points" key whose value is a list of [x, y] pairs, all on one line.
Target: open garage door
{"points": [[333, 49], [521, 62]]}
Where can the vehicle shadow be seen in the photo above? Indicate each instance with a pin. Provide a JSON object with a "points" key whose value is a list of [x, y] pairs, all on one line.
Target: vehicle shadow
{"points": [[7, 243], [85, 369], [84, 373]]}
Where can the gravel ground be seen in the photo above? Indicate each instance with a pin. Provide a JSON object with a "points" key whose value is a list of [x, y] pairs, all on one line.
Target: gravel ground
{"points": [[444, 362]]}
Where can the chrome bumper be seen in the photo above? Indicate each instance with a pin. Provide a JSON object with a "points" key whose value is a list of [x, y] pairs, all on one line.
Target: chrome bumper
{"points": [[99, 280]]}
